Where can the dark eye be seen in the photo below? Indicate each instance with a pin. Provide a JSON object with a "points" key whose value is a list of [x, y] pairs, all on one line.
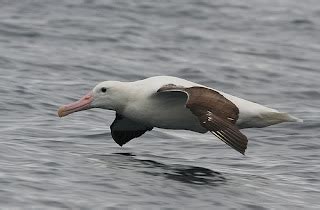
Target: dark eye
{"points": [[103, 89]]}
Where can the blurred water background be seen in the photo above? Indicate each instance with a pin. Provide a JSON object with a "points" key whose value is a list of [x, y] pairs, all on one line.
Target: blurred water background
{"points": [[53, 52]]}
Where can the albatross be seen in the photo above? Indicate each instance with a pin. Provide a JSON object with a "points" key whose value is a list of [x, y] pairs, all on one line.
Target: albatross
{"points": [[174, 103]]}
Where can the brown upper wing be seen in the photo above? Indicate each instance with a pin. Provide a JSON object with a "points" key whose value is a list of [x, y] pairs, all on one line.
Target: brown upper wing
{"points": [[204, 98], [215, 113]]}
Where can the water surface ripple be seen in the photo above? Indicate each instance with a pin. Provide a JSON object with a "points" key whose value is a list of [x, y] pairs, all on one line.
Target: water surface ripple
{"points": [[53, 52]]}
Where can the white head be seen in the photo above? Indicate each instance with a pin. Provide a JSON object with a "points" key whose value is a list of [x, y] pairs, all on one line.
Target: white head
{"points": [[106, 95]]}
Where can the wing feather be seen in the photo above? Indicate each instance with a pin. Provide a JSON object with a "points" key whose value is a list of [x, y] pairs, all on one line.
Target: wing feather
{"points": [[124, 129], [215, 113]]}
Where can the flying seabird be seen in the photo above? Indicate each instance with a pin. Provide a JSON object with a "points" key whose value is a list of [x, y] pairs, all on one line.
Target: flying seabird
{"points": [[174, 103]]}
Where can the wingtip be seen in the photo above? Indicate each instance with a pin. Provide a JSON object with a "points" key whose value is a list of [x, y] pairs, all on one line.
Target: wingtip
{"points": [[295, 119], [242, 151], [300, 120], [290, 118]]}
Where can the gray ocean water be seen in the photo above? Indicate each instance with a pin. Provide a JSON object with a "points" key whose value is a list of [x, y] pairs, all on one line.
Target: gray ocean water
{"points": [[53, 52]]}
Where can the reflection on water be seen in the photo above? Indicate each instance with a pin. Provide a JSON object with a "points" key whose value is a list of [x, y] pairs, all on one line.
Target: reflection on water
{"points": [[196, 175], [186, 174], [181, 173]]}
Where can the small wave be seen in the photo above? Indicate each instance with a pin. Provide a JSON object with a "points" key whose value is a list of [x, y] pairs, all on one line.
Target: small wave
{"points": [[15, 30], [302, 22]]}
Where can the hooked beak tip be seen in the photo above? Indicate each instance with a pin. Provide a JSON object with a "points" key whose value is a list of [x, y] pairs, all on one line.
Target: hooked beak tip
{"points": [[61, 112]]}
